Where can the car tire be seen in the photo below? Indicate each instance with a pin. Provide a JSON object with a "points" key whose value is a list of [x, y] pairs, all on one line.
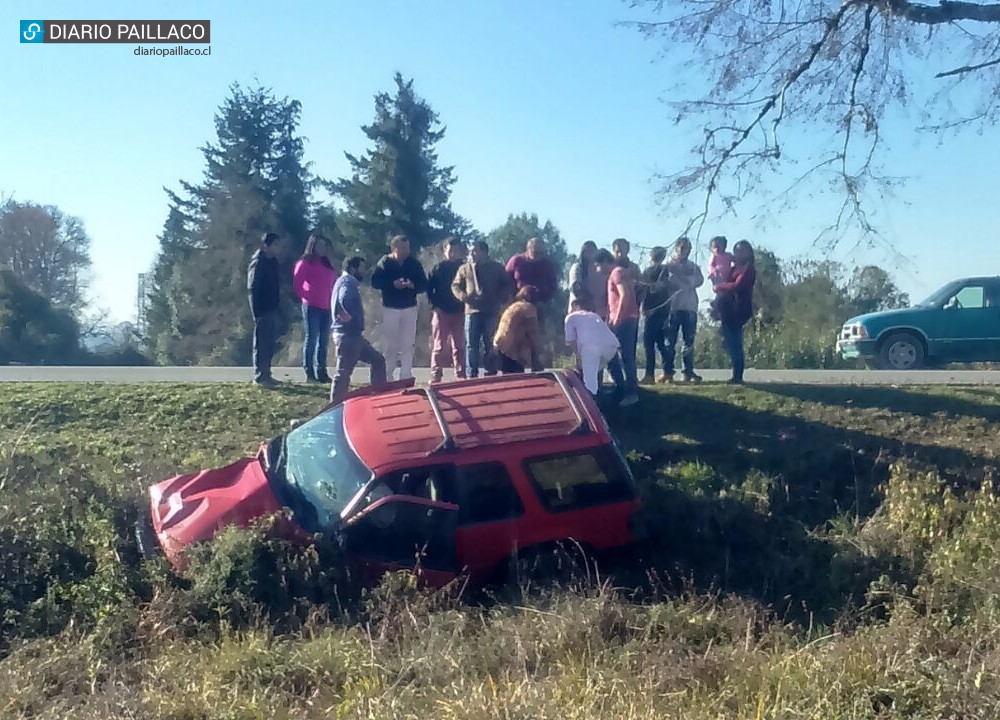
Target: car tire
{"points": [[901, 351], [557, 564]]}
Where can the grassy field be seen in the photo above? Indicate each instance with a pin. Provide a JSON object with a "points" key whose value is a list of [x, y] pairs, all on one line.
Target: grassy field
{"points": [[814, 552]]}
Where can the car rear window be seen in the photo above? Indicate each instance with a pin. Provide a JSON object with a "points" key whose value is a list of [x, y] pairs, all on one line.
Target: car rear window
{"points": [[569, 481]]}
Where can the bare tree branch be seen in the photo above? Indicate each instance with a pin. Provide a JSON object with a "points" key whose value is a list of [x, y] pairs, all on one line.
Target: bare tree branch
{"points": [[945, 11], [969, 68]]}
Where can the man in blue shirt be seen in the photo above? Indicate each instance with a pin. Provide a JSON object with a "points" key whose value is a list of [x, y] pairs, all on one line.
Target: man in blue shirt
{"points": [[348, 331]]}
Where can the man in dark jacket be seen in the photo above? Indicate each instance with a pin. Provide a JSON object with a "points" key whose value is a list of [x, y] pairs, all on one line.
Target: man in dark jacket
{"points": [[263, 284], [448, 319], [348, 331], [655, 312], [400, 278], [484, 287]]}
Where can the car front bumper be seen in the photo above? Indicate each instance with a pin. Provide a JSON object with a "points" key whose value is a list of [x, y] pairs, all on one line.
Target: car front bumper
{"points": [[852, 349]]}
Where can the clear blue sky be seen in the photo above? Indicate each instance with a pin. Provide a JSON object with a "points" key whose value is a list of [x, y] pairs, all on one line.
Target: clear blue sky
{"points": [[549, 108]]}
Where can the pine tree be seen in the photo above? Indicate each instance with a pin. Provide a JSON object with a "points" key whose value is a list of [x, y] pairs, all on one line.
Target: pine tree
{"points": [[398, 185], [255, 181]]}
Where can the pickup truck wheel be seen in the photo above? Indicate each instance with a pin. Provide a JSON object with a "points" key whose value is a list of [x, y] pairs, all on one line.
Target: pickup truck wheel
{"points": [[901, 351]]}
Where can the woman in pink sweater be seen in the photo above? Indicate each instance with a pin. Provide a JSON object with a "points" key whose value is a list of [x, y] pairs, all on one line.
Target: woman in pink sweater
{"points": [[313, 280]]}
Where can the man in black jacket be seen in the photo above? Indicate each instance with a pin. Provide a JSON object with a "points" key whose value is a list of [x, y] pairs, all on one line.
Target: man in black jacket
{"points": [[448, 320], [263, 282], [400, 278]]}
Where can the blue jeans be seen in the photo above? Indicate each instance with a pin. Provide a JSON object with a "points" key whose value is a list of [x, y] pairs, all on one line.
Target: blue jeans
{"points": [[732, 337], [317, 331], [479, 329], [683, 323], [628, 335]]}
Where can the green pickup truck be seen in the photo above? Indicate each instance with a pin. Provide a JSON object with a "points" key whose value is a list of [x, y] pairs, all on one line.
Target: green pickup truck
{"points": [[958, 323]]}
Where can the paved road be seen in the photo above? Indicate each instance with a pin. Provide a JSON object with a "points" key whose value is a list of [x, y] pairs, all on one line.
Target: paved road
{"points": [[19, 373]]}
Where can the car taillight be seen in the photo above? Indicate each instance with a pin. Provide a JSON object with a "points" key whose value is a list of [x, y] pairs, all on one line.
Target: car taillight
{"points": [[861, 331]]}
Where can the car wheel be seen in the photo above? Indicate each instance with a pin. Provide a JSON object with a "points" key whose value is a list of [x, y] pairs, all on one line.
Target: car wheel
{"points": [[902, 351], [552, 564]]}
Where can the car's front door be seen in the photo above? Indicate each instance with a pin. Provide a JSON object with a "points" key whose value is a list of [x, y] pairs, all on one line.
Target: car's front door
{"points": [[970, 327], [398, 532]]}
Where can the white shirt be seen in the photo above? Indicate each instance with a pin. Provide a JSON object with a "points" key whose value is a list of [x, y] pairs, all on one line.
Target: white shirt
{"points": [[587, 330]]}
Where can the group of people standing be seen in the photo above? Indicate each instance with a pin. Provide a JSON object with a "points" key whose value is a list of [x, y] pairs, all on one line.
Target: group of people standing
{"points": [[489, 317]]}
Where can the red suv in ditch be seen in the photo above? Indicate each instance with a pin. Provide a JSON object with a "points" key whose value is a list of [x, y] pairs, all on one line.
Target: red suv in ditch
{"points": [[456, 478]]}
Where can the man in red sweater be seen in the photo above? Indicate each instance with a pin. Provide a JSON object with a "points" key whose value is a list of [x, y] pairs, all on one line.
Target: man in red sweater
{"points": [[533, 267]]}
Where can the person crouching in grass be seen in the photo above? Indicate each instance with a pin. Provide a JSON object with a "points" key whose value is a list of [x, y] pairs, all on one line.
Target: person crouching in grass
{"points": [[595, 345]]}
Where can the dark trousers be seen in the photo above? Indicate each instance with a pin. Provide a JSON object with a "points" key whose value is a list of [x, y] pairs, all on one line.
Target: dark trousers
{"points": [[510, 365], [479, 329], [627, 333], [653, 335], [685, 323], [265, 338], [732, 338], [314, 348], [352, 349]]}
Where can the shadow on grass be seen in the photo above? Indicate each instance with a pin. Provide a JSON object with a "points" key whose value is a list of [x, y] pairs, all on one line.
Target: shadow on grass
{"points": [[741, 501], [921, 403]]}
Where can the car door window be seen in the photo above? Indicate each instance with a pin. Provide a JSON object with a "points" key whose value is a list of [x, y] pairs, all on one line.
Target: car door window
{"points": [[485, 493], [405, 531], [971, 297], [580, 479]]}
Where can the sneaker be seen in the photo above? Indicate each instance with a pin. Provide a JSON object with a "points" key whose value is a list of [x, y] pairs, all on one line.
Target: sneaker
{"points": [[266, 382], [692, 378], [647, 380], [630, 399], [324, 377], [734, 381], [665, 378]]}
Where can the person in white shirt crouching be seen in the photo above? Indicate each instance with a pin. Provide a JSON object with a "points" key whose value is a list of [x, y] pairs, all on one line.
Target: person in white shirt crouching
{"points": [[595, 345]]}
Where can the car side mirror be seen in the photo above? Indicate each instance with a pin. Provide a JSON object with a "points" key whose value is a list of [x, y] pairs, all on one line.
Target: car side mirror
{"points": [[295, 423]]}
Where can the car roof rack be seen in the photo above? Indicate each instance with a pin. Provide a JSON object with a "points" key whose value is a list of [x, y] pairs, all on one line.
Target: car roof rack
{"points": [[447, 441], [582, 424]]}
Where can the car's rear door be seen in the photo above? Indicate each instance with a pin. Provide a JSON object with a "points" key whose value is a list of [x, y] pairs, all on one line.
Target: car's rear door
{"points": [[489, 516]]}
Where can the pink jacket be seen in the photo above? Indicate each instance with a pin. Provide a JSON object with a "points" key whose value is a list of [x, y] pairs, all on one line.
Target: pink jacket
{"points": [[313, 282]]}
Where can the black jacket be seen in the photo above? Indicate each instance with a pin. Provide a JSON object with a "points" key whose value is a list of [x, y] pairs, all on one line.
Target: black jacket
{"points": [[658, 293], [439, 287], [388, 270], [262, 284]]}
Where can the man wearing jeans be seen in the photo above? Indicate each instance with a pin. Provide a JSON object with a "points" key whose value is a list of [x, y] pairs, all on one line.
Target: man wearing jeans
{"points": [[685, 278], [263, 283], [623, 316], [483, 286], [400, 278], [348, 331]]}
